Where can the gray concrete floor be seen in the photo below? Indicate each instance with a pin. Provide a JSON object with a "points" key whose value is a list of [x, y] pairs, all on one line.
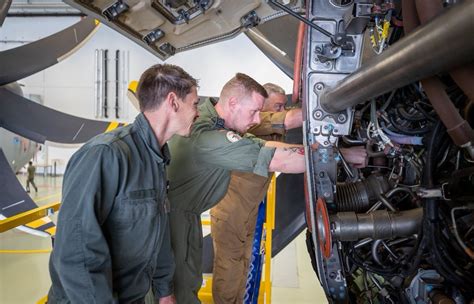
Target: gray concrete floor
{"points": [[24, 278]]}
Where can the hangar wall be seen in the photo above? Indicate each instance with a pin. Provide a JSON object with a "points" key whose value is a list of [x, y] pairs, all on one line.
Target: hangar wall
{"points": [[69, 85]]}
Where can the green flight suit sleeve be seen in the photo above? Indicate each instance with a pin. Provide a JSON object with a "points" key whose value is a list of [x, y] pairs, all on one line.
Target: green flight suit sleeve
{"points": [[270, 123], [81, 254], [165, 266], [227, 150]]}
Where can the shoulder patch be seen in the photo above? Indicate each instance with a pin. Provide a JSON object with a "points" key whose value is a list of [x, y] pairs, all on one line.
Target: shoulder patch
{"points": [[233, 137]]}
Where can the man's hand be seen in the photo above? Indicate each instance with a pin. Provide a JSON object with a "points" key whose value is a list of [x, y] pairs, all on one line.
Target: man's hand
{"points": [[356, 156], [168, 300]]}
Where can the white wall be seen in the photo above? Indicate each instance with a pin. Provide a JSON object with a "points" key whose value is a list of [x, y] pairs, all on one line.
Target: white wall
{"points": [[69, 85]]}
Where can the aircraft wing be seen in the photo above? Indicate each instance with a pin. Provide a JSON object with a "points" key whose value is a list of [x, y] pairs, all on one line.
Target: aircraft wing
{"points": [[4, 6], [39, 123], [14, 200], [23, 61], [166, 27]]}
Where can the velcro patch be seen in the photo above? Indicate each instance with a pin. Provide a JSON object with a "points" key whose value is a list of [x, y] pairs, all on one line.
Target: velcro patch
{"points": [[233, 137]]}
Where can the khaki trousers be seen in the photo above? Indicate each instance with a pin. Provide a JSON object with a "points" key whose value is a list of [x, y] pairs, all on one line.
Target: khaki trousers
{"points": [[233, 222]]}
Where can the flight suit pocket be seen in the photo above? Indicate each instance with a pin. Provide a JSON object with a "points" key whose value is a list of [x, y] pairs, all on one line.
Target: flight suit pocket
{"points": [[138, 205], [135, 220]]}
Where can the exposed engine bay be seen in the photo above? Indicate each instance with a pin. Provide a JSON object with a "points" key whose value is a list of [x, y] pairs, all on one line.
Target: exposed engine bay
{"points": [[400, 230]]}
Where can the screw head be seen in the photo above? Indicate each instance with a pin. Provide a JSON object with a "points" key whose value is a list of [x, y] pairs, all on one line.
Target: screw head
{"points": [[319, 86], [318, 114], [341, 118]]}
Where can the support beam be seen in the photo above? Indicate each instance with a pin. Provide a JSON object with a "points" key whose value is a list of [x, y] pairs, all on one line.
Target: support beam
{"points": [[28, 216]]}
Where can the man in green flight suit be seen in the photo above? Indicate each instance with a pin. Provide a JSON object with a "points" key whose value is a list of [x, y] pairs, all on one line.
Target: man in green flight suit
{"points": [[202, 163], [113, 240]]}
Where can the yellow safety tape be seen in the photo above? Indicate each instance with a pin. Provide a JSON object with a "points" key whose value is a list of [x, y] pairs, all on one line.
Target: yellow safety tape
{"points": [[36, 224], [386, 26], [112, 125], [51, 230], [372, 40]]}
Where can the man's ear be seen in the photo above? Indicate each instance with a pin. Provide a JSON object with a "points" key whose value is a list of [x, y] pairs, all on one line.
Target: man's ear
{"points": [[172, 101], [232, 102]]}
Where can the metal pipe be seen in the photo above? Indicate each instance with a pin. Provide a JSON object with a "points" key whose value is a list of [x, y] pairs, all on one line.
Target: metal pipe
{"points": [[98, 86], [117, 61], [124, 84], [437, 46], [380, 224], [105, 83], [464, 75], [298, 63], [458, 129], [303, 19]]}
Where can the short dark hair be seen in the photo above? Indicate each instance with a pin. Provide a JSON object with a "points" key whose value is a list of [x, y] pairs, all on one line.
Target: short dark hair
{"points": [[30, 162], [245, 83], [158, 81]]}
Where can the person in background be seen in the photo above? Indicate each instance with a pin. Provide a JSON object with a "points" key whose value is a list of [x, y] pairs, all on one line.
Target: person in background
{"points": [[30, 179]]}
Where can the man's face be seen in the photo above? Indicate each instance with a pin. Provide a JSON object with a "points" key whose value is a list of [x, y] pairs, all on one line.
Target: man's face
{"points": [[247, 112], [275, 103], [188, 112]]}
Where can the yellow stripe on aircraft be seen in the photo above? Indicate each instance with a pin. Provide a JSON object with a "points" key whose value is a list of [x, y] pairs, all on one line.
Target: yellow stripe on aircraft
{"points": [[36, 224], [51, 231], [113, 125]]}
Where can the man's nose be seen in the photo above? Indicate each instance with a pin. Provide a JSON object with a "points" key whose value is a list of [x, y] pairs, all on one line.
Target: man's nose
{"points": [[257, 119]]}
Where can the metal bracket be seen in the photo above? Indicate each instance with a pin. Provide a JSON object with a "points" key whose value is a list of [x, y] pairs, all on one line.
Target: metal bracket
{"points": [[250, 20], [168, 49], [153, 36], [434, 193], [325, 174], [113, 11]]}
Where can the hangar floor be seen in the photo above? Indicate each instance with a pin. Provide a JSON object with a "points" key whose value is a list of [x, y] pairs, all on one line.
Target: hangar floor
{"points": [[25, 278]]}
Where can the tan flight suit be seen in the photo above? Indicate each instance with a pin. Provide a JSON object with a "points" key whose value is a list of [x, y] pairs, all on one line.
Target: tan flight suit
{"points": [[233, 220]]}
